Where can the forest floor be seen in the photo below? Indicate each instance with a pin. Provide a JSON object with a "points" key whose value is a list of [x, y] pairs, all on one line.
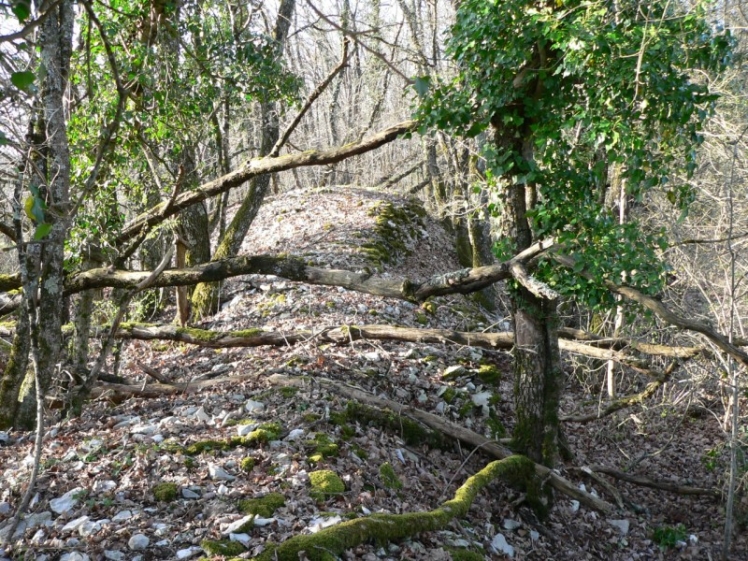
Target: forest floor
{"points": [[113, 456]]}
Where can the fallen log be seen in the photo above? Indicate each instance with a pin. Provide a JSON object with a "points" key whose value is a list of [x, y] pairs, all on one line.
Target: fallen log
{"points": [[670, 487], [346, 333]]}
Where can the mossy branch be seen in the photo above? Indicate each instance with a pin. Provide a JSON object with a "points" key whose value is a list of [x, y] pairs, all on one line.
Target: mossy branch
{"points": [[382, 528]]}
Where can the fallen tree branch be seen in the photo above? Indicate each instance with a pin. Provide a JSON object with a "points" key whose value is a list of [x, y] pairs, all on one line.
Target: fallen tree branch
{"points": [[465, 436], [664, 313], [626, 401], [654, 484], [255, 167], [345, 334]]}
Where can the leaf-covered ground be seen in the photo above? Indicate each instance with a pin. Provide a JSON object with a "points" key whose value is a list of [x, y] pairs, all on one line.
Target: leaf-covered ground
{"points": [[111, 463]]}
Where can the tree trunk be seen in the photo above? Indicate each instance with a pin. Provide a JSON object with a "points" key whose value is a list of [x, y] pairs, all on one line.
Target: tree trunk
{"points": [[46, 316], [537, 361], [205, 297]]}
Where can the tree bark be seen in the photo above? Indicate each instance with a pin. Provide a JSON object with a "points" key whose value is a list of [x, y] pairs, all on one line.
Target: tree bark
{"points": [[205, 296], [537, 361]]}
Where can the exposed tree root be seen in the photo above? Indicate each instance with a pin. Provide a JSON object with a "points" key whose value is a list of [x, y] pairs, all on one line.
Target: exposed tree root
{"points": [[381, 528], [486, 445]]}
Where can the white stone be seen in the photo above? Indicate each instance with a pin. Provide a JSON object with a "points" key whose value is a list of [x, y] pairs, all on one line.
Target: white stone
{"points": [[500, 545], [75, 556], [189, 552], [158, 438], [510, 524], [90, 527], [693, 539], [138, 542], [574, 506], [234, 526], [253, 406], [373, 356], [244, 430], [161, 528], [422, 397], [201, 415], [66, 502], [73, 525], [104, 486], [534, 536], [481, 399], [440, 407], [190, 494], [320, 522], [243, 539], [122, 515], [622, 525], [453, 371], [295, 434], [4, 438], [114, 555], [144, 429], [219, 474], [4, 508]]}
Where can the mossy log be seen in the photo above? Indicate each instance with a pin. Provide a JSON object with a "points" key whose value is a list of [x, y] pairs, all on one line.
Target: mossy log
{"points": [[345, 334], [382, 528], [465, 436], [463, 281]]}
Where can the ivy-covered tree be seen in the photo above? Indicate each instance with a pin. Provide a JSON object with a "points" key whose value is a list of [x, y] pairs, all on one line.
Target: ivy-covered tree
{"points": [[570, 93]]}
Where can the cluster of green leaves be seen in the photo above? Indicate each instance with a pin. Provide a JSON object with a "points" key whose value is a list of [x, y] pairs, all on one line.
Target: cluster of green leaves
{"points": [[197, 63], [588, 84]]}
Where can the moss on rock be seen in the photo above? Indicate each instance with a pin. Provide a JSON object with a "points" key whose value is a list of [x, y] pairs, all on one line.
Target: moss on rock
{"points": [[262, 506], [489, 374], [325, 483], [388, 477], [324, 447], [224, 548], [261, 435], [165, 492], [247, 464]]}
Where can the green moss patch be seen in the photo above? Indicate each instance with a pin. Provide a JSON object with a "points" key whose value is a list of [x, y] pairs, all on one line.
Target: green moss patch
{"points": [[388, 477], [165, 492], [324, 447], [263, 506], [395, 227], [261, 435], [325, 483], [247, 464], [489, 374]]}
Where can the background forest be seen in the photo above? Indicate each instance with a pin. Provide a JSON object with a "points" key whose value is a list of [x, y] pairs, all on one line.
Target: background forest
{"points": [[404, 279]]}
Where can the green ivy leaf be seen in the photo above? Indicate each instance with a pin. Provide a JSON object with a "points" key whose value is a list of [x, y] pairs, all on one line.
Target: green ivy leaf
{"points": [[42, 231], [422, 85], [22, 80], [22, 9]]}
